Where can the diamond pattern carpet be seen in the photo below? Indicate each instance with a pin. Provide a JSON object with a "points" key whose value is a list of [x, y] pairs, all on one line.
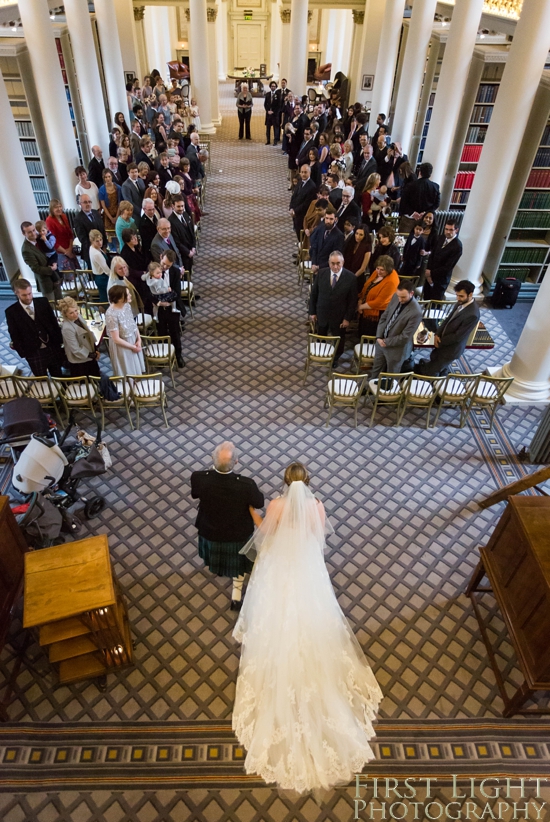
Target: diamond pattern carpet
{"points": [[401, 500]]}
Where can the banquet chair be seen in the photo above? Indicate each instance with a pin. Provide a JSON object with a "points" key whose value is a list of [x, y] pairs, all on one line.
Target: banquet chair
{"points": [[144, 321], [88, 285], [344, 390], [489, 393], [320, 351], [147, 391], [43, 390], [188, 291], [77, 394], [159, 352], [363, 353], [421, 392], [457, 390], [121, 385], [388, 389], [8, 389]]}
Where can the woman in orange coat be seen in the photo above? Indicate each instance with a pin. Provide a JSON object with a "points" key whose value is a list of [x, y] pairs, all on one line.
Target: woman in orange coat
{"points": [[376, 295]]}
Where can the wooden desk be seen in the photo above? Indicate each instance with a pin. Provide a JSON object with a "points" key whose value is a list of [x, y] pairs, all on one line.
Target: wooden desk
{"points": [[516, 561]]}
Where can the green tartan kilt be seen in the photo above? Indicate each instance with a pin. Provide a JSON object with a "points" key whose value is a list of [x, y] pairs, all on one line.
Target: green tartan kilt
{"points": [[223, 558]]}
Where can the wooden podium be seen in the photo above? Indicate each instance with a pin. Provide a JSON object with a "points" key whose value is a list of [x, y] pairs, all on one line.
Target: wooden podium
{"points": [[72, 596], [516, 561]]}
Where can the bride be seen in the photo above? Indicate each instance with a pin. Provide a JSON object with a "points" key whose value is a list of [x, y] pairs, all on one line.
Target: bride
{"points": [[306, 696]]}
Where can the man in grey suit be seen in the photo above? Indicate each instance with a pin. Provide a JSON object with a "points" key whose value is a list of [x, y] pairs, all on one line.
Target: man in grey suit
{"points": [[396, 328], [452, 335], [162, 241], [133, 189]]}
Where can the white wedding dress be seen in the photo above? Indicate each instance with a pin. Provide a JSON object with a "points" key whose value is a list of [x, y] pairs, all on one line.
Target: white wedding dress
{"points": [[306, 696]]}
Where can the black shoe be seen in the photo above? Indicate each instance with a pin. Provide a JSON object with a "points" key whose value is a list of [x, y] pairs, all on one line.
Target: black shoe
{"points": [[295, 255], [235, 605], [268, 143], [181, 362], [275, 144], [197, 296]]}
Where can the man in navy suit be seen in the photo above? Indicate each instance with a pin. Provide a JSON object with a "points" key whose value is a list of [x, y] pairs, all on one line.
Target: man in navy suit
{"points": [[333, 300], [304, 192], [325, 239]]}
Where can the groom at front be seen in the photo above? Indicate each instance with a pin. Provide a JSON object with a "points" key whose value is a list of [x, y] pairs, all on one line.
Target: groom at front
{"points": [[224, 521]]}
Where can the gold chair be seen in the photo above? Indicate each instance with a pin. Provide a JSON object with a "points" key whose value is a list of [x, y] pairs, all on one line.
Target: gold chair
{"points": [[436, 310], [43, 390], [159, 351], [77, 394], [421, 392], [147, 391], [121, 385], [188, 291], [456, 390], [488, 394], [144, 321], [413, 279], [320, 351], [56, 311], [8, 389], [388, 389], [87, 283], [363, 353], [345, 390], [70, 288]]}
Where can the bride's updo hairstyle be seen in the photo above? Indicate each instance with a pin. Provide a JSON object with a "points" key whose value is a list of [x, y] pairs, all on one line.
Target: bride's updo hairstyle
{"points": [[296, 472]]}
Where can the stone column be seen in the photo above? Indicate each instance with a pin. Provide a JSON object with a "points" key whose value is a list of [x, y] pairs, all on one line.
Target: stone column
{"points": [[373, 17], [16, 198], [386, 58], [401, 49], [356, 43], [298, 47], [221, 41], [87, 71], [431, 65], [285, 45], [414, 64], [211, 15], [139, 13], [127, 37], [516, 94], [40, 41], [111, 56], [451, 84], [200, 64]]}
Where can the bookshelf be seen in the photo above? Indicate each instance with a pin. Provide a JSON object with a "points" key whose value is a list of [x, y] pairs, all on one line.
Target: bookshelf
{"points": [[72, 104]]}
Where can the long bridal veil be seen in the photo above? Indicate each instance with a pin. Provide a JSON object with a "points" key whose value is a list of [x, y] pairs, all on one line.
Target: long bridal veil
{"points": [[306, 696]]}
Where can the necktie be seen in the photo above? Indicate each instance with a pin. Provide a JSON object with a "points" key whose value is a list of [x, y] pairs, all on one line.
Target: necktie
{"points": [[90, 216], [341, 209], [30, 311], [392, 320], [333, 278]]}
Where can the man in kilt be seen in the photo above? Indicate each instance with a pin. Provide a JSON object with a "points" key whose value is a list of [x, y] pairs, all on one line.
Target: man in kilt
{"points": [[224, 521]]}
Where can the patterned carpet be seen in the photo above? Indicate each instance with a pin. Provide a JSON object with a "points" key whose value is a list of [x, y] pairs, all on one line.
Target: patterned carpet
{"points": [[403, 505]]}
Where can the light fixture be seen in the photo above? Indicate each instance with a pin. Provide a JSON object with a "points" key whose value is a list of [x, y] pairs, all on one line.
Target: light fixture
{"points": [[52, 16]]}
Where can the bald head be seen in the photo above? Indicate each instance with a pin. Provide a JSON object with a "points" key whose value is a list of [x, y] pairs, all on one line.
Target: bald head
{"points": [[225, 457]]}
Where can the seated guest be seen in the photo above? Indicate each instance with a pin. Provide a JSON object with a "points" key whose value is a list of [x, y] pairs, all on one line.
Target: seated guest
{"points": [[34, 331], [124, 220], [80, 346], [385, 246], [412, 253], [137, 263], [376, 295], [110, 195], [452, 335], [446, 252], [325, 239], [357, 251], [395, 332], [124, 338], [99, 264]]}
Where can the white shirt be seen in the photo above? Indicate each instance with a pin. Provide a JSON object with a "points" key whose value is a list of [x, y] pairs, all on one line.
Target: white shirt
{"points": [[28, 308], [335, 276]]}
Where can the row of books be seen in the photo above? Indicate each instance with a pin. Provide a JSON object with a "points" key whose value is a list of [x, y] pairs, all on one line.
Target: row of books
{"points": [[532, 219], [476, 134], [464, 180], [460, 197], [34, 167], [24, 128], [517, 273], [487, 93], [471, 154], [39, 184], [542, 158], [535, 199], [482, 114], [546, 136], [29, 148], [524, 255], [539, 179]]}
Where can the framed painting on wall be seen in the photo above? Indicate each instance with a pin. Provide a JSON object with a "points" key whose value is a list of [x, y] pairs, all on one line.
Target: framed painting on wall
{"points": [[368, 82]]}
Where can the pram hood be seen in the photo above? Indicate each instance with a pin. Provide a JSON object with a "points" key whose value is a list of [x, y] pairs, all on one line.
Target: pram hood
{"points": [[40, 465]]}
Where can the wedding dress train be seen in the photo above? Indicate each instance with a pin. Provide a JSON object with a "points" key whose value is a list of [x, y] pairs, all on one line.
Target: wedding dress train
{"points": [[306, 696]]}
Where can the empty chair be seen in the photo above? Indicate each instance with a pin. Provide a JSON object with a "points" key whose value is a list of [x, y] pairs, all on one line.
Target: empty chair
{"points": [[120, 385], [147, 391], [488, 394], [421, 392], [388, 389], [70, 288], [158, 352], [344, 390], [43, 390], [188, 291], [435, 311], [77, 394], [363, 353], [144, 321], [457, 390], [87, 283], [320, 351], [8, 390]]}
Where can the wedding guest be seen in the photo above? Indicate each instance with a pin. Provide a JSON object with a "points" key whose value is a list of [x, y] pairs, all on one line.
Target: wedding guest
{"points": [[357, 253], [395, 332], [79, 342], [124, 220], [385, 246], [84, 186], [99, 261], [119, 276], [376, 294], [120, 122], [58, 223], [110, 195], [412, 253], [124, 338], [244, 110], [34, 330]]}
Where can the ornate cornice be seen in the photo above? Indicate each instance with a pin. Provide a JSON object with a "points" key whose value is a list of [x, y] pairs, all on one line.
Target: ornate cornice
{"points": [[358, 17], [139, 12]]}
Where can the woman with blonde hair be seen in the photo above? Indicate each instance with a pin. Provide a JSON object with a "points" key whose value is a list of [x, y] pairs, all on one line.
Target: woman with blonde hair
{"points": [[78, 340], [372, 183], [244, 104], [100, 264], [119, 276]]}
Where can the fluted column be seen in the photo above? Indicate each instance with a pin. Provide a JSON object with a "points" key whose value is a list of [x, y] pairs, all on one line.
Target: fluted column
{"points": [[414, 63], [387, 58], [16, 196], [516, 94], [127, 37], [221, 41], [111, 56], [452, 83], [53, 104], [298, 47], [356, 43], [139, 14], [431, 65], [285, 44], [87, 72], [200, 63], [369, 48], [211, 15]]}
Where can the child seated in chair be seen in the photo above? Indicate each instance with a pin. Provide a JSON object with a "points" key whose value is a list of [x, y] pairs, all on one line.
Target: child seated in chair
{"points": [[159, 285]]}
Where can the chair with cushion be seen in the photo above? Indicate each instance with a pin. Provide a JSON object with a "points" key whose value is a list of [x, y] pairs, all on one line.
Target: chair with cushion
{"points": [[8, 389], [188, 291], [363, 353], [345, 390], [70, 288], [421, 392], [43, 390], [388, 389], [121, 385], [87, 284], [158, 352], [147, 391], [77, 394], [457, 390], [435, 311], [320, 351], [489, 393], [144, 321]]}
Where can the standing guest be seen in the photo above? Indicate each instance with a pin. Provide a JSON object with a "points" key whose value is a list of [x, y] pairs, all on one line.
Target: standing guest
{"points": [[79, 342], [34, 331], [452, 335], [272, 105], [189, 190], [349, 229], [163, 241], [148, 226], [357, 252], [84, 221], [335, 193], [99, 264], [412, 253], [112, 166], [124, 339], [84, 186], [123, 159], [158, 283], [96, 166], [159, 131], [404, 176], [114, 143], [46, 242], [224, 520], [324, 240], [333, 301], [152, 193], [348, 208], [45, 273], [324, 152], [303, 194], [303, 152], [133, 189], [315, 168], [365, 167], [395, 332], [110, 195], [58, 223], [147, 88], [380, 150], [146, 153], [119, 276], [121, 123], [169, 321], [447, 251], [348, 158], [183, 233], [164, 109], [137, 263], [135, 137], [367, 196], [165, 172], [159, 88], [195, 114], [315, 213], [244, 105], [124, 219], [196, 169], [420, 196], [380, 127], [385, 246], [139, 118], [429, 235], [376, 294]]}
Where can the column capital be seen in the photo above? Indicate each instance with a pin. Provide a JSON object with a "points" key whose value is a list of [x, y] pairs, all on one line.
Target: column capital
{"points": [[211, 14], [285, 15], [309, 16], [187, 15], [139, 12], [358, 17]]}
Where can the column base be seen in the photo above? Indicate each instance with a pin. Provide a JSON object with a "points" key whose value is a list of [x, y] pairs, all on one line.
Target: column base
{"points": [[450, 293], [207, 128], [522, 391]]}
